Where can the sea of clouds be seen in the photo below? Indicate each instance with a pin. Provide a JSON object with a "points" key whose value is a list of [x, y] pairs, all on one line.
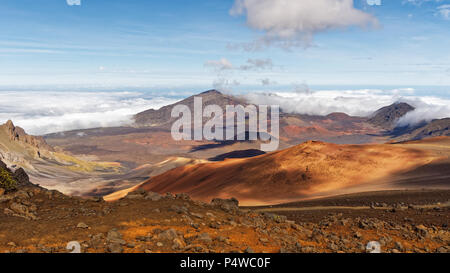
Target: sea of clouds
{"points": [[56, 111], [362, 102], [48, 112]]}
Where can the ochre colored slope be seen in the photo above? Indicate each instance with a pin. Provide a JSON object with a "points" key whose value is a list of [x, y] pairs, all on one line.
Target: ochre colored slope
{"points": [[151, 170], [299, 172]]}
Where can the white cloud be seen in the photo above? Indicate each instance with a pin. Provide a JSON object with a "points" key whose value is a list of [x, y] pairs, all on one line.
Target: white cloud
{"points": [[225, 85], [47, 112], [373, 2], [427, 109], [267, 81], [353, 102], [219, 65], [73, 2], [225, 71], [444, 11], [302, 88], [257, 64], [290, 23]]}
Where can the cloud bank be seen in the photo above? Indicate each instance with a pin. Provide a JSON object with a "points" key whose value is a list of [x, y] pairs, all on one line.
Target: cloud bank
{"points": [[47, 112], [362, 102], [289, 23], [427, 109]]}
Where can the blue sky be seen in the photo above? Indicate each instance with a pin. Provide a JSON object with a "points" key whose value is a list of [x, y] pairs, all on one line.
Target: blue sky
{"points": [[179, 43]]}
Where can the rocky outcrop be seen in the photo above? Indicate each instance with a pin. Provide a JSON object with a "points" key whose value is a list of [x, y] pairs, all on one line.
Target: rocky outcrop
{"points": [[10, 180], [387, 117], [18, 134], [175, 223], [12, 157], [3, 165], [22, 178], [228, 205], [16, 191], [438, 127]]}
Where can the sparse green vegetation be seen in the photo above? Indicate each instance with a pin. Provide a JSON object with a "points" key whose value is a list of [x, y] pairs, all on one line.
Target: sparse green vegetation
{"points": [[79, 165], [7, 182]]}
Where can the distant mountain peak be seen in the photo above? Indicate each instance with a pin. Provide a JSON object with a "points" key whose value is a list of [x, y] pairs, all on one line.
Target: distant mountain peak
{"points": [[162, 117], [387, 116], [435, 128], [338, 116], [16, 133], [212, 91], [9, 124]]}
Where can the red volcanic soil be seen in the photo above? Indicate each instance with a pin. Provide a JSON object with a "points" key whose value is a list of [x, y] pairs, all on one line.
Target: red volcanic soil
{"points": [[315, 130], [339, 116], [302, 171], [443, 140]]}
